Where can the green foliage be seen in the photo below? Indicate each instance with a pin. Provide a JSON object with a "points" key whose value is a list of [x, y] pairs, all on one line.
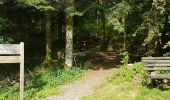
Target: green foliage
{"points": [[168, 19], [32, 2], [116, 13], [122, 8], [71, 10], [44, 8], [42, 5], [5, 24], [146, 21], [145, 93], [153, 22], [95, 7], [44, 83], [127, 73], [47, 92], [81, 61], [10, 93], [125, 58], [1, 1], [166, 45], [124, 72], [114, 23], [139, 68], [6, 40], [127, 91], [87, 65]]}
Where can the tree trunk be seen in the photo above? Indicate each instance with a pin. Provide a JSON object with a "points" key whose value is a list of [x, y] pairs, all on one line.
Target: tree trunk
{"points": [[124, 30], [101, 22], [48, 36], [103, 27], [69, 39], [124, 33]]}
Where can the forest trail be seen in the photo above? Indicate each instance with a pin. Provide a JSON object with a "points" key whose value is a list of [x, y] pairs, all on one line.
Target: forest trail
{"points": [[103, 67]]}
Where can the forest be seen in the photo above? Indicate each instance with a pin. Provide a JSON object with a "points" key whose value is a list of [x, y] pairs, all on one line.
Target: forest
{"points": [[64, 39]]}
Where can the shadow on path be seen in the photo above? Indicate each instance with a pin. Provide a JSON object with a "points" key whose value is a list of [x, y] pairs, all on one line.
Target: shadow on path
{"points": [[102, 60], [103, 66]]}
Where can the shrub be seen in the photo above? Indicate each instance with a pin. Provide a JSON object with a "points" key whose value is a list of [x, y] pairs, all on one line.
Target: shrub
{"points": [[127, 73], [125, 58], [124, 72], [139, 68]]}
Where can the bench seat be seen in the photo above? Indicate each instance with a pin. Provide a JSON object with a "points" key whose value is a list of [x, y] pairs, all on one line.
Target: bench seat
{"points": [[159, 76], [156, 68]]}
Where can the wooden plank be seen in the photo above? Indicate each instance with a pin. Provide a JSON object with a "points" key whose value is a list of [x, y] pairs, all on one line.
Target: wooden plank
{"points": [[148, 63], [154, 58], [155, 61], [9, 59], [22, 71], [159, 76], [157, 65], [156, 68], [9, 49], [161, 63]]}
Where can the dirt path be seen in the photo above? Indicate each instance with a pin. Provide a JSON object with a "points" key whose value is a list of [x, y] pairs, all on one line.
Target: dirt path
{"points": [[85, 85], [82, 87]]}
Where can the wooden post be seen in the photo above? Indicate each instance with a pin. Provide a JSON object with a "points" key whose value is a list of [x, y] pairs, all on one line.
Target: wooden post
{"points": [[21, 71]]}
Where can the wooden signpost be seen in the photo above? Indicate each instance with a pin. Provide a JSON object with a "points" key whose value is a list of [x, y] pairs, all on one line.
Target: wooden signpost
{"points": [[14, 53]]}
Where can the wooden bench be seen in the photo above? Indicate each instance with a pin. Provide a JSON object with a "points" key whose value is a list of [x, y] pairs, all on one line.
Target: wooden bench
{"points": [[156, 64]]}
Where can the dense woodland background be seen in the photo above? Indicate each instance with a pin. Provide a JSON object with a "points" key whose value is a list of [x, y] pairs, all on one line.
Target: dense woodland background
{"points": [[140, 27], [57, 34]]}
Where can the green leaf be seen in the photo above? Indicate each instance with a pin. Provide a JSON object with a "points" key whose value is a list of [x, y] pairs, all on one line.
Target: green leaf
{"points": [[71, 11], [42, 5]]}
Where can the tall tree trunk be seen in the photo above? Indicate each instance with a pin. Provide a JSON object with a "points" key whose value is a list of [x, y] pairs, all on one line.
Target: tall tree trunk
{"points": [[103, 27], [48, 36], [124, 31], [101, 21], [69, 39]]}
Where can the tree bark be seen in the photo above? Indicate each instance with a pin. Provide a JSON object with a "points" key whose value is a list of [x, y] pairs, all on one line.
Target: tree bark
{"points": [[101, 22], [124, 30], [124, 33], [103, 26], [48, 36], [69, 39]]}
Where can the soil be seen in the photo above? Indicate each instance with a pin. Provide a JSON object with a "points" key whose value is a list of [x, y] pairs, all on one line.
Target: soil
{"points": [[103, 65]]}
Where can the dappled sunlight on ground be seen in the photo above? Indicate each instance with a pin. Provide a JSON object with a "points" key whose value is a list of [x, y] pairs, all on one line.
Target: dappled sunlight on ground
{"points": [[103, 65], [103, 60]]}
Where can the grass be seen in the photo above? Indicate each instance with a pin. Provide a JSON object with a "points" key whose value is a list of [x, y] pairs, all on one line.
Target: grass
{"points": [[125, 84], [44, 83]]}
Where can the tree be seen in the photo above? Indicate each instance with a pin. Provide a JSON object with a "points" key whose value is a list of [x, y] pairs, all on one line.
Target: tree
{"points": [[45, 6], [69, 35], [101, 17], [48, 35], [153, 21], [117, 18]]}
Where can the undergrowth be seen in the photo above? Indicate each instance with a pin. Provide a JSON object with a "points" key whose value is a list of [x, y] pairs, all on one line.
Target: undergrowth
{"points": [[44, 83], [126, 84], [127, 73]]}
